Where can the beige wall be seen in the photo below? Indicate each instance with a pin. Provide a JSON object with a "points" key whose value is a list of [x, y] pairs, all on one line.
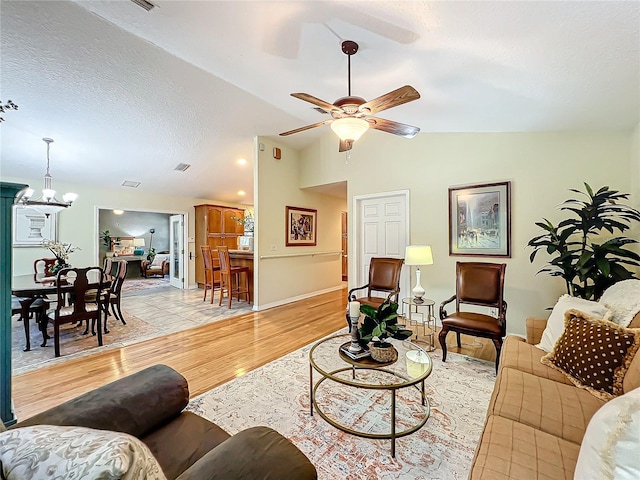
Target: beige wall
{"points": [[635, 166], [541, 168], [79, 224], [281, 280]]}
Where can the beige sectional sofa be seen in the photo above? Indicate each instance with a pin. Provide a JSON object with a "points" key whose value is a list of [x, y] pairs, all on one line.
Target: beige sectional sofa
{"points": [[536, 418]]}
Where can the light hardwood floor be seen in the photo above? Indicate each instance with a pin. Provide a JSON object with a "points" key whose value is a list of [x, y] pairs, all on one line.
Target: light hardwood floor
{"points": [[207, 356]]}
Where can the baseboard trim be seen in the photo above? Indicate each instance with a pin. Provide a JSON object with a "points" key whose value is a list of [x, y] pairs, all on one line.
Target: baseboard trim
{"points": [[258, 308]]}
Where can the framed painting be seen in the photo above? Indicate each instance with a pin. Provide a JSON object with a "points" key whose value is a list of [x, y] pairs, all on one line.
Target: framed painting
{"points": [[480, 220], [302, 227], [31, 227]]}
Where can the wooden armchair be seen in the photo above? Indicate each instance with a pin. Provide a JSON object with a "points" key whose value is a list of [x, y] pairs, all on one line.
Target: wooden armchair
{"points": [[159, 266], [384, 277], [479, 284]]}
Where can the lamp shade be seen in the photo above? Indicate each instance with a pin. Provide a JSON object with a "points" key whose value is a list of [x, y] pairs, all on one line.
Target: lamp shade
{"points": [[138, 242], [349, 128], [418, 255]]}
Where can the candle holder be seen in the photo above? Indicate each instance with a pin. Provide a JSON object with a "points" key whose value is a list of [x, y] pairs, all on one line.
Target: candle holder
{"points": [[355, 346]]}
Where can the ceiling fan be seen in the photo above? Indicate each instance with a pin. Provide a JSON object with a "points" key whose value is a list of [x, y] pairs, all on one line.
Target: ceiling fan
{"points": [[352, 116]]}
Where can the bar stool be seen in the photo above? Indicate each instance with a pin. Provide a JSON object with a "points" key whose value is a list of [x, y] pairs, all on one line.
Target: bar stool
{"points": [[210, 268], [228, 274]]}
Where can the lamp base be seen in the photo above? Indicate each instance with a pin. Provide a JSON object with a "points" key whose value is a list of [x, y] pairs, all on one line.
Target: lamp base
{"points": [[417, 300]]}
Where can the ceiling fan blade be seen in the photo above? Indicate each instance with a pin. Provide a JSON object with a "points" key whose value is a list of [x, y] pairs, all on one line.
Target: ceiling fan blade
{"points": [[392, 99], [390, 126], [345, 145], [316, 101], [302, 129]]}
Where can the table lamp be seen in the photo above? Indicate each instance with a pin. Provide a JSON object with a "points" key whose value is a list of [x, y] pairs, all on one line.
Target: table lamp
{"points": [[418, 255], [138, 243]]}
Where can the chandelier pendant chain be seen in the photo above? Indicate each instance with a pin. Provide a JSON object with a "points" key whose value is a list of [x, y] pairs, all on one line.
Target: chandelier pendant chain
{"points": [[47, 177]]}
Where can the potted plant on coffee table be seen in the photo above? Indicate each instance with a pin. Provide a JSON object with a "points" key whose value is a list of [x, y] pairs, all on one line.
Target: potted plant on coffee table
{"points": [[377, 326]]}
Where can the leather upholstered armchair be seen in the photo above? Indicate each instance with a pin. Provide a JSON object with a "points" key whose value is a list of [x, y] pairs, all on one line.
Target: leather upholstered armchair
{"points": [[479, 284]]}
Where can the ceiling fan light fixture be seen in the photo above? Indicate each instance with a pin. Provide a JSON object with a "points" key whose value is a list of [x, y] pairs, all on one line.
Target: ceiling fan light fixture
{"points": [[349, 128]]}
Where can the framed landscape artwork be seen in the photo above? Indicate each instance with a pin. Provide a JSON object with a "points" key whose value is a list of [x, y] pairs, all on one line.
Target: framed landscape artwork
{"points": [[31, 227], [480, 220], [302, 227]]}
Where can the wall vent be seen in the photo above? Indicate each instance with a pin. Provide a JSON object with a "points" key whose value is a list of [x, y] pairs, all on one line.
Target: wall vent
{"points": [[144, 4], [181, 167], [129, 183]]}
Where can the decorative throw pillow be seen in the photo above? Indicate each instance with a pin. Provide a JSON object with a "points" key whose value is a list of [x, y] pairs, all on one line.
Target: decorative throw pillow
{"points": [[610, 446], [594, 354], [555, 324], [623, 299], [48, 451]]}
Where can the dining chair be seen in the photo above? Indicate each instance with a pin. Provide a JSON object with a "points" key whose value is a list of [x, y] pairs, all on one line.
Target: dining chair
{"points": [[91, 296], [38, 308], [211, 265], [114, 293], [80, 310], [43, 266], [478, 284], [230, 277]]}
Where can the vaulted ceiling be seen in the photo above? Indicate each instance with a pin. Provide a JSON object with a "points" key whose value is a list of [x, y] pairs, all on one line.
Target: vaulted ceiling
{"points": [[128, 94]]}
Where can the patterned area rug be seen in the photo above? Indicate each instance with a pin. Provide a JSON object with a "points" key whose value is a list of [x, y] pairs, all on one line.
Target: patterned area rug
{"points": [[149, 313], [277, 395], [137, 284]]}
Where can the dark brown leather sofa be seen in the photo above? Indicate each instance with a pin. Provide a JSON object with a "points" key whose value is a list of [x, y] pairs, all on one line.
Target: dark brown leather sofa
{"points": [[149, 405]]}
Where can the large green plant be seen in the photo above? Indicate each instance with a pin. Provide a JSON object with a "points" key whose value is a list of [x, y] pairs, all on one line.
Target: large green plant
{"points": [[588, 261], [381, 323]]}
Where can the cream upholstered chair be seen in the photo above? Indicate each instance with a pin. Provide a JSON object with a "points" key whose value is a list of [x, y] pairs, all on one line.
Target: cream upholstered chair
{"points": [[158, 267]]}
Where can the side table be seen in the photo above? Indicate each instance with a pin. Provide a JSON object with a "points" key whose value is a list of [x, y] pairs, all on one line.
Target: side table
{"points": [[428, 319]]}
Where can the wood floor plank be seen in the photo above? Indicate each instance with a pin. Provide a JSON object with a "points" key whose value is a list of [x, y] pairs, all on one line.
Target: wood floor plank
{"points": [[207, 356]]}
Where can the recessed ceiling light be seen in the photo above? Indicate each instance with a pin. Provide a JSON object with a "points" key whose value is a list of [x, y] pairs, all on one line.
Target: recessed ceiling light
{"points": [[242, 193], [242, 161], [118, 212], [129, 183]]}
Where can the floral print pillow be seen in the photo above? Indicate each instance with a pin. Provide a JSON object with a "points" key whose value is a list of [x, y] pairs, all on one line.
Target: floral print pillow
{"points": [[64, 452]]}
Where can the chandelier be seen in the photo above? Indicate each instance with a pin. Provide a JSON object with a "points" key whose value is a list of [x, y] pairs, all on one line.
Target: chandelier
{"points": [[47, 203]]}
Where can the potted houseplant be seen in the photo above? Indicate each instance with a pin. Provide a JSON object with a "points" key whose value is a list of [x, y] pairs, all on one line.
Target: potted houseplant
{"points": [[588, 261], [377, 326]]}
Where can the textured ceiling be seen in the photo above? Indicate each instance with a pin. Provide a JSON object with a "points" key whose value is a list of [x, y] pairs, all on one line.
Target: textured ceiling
{"points": [[129, 94]]}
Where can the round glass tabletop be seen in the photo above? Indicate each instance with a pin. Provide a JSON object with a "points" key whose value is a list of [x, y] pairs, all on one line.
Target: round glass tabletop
{"points": [[412, 366]]}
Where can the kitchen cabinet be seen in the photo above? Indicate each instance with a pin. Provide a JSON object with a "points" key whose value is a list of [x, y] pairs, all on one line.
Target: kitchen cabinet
{"points": [[215, 227]]}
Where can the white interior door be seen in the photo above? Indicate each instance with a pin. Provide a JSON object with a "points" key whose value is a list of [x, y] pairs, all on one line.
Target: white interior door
{"points": [[176, 241], [382, 231]]}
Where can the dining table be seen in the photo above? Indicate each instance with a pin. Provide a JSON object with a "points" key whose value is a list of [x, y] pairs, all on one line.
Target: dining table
{"points": [[28, 288]]}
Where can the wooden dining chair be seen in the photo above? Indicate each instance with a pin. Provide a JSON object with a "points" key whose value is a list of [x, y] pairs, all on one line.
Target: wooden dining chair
{"points": [[230, 277], [38, 308], [211, 266], [479, 284], [114, 293], [80, 310], [43, 266]]}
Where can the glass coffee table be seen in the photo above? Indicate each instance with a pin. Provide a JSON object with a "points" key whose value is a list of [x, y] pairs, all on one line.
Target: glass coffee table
{"points": [[348, 377]]}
